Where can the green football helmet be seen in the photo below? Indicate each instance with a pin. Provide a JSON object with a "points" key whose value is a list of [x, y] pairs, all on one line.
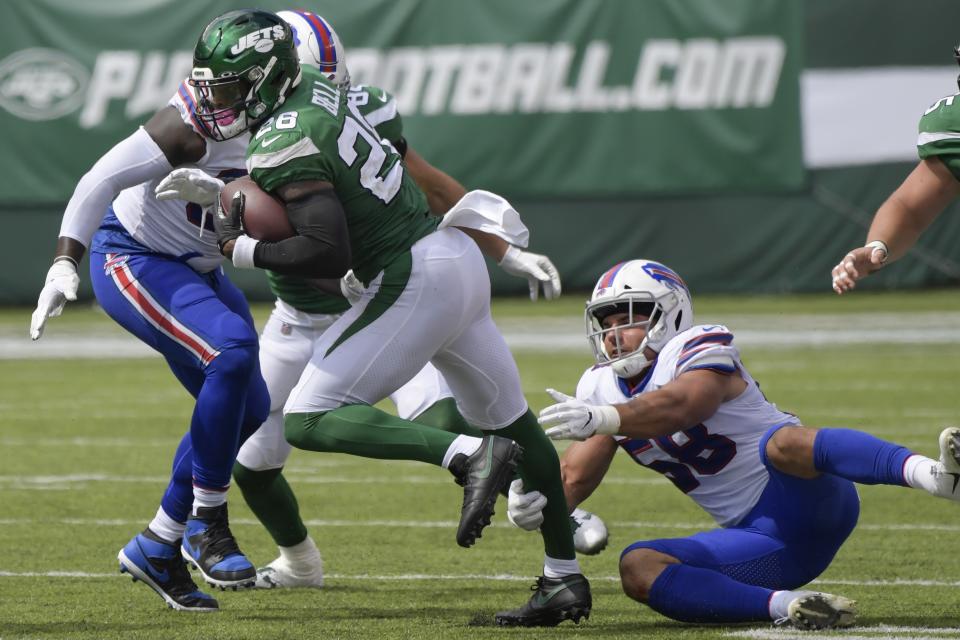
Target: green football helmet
{"points": [[244, 67]]}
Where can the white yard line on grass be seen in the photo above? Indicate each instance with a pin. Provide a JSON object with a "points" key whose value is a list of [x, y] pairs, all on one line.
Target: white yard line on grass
{"points": [[48, 481], [476, 576], [852, 633], [442, 524]]}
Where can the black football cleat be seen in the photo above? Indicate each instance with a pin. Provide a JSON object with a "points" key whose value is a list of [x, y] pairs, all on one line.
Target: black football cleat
{"points": [[486, 473], [209, 546], [554, 600]]}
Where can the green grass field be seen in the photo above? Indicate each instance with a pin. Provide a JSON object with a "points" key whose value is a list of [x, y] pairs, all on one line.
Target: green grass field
{"points": [[85, 446]]}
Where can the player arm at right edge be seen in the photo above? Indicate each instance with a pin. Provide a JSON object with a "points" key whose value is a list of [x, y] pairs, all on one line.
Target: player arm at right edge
{"points": [[899, 221]]}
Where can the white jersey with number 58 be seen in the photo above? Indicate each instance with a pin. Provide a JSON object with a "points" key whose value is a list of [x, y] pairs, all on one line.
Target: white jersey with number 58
{"points": [[172, 227], [717, 462]]}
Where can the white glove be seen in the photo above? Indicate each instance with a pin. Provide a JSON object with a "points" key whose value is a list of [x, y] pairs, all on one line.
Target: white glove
{"points": [[537, 269], [192, 185], [351, 287], [60, 286], [590, 534], [525, 510], [573, 419]]}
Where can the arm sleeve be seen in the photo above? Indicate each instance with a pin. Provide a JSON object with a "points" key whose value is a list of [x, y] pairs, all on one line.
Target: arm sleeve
{"points": [[135, 159], [322, 247]]}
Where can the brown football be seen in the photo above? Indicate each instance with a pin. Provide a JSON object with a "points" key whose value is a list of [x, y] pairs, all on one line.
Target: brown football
{"points": [[264, 217]]}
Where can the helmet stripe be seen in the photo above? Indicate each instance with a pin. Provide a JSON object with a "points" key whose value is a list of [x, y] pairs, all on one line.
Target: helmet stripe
{"points": [[328, 52], [188, 101], [608, 277]]}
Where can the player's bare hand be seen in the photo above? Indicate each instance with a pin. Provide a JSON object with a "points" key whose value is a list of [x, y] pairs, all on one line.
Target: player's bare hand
{"points": [[856, 265], [60, 287]]}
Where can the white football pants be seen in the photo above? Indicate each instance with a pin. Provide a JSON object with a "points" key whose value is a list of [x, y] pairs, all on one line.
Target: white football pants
{"points": [[286, 344], [432, 307]]}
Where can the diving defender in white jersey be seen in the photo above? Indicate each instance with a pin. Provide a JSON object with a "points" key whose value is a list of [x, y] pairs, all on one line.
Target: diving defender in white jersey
{"points": [[677, 398]]}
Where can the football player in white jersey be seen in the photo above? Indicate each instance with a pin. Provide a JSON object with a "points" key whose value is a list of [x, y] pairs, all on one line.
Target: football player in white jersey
{"points": [[155, 269], [301, 315], [677, 398]]}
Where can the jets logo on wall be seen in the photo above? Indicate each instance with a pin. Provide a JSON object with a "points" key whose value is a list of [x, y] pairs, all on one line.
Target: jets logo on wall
{"points": [[41, 84]]}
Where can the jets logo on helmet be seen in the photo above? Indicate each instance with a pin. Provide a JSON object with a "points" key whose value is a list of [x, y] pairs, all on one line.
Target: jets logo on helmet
{"points": [[244, 67], [652, 296], [318, 45]]}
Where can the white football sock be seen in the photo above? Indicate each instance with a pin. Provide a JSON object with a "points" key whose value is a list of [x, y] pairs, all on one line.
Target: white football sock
{"points": [[166, 527], [780, 602], [207, 498], [304, 555], [919, 472], [556, 568], [462, 444]]}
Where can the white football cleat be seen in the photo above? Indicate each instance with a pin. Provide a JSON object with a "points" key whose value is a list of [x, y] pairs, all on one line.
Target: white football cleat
{"points": [[947, 472], [590, 534], [280, 574], [814, 610]]}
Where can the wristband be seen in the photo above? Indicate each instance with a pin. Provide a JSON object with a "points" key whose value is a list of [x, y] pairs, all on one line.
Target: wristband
{"points": [[67, 259], [879, 244], [608, 419], [243, 252]]}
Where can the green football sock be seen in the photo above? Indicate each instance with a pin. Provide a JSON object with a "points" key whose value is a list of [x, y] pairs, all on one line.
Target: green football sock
{"points": [[540, 471], [443, 414], [366, 431], [271, 499]]}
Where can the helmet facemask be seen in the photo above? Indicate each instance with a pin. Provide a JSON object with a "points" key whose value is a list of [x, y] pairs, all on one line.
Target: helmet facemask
{"points": [[223, 104], [643, 312], [956, 56]]}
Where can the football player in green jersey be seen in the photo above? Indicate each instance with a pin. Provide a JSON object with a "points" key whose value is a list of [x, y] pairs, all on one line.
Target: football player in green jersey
{"points": [[426, 299], [930, 187]]}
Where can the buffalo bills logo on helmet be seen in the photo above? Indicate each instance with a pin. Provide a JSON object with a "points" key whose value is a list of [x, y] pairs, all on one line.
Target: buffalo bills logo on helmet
{"points": [[665, 275]]}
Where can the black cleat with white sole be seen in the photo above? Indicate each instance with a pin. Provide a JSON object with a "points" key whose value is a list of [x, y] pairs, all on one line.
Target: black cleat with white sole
{"points": [[554, 600], [487, 472]]}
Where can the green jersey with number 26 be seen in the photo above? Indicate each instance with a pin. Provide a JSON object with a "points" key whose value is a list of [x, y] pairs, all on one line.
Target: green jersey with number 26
{"points": [[380, 110], [319, 134]]}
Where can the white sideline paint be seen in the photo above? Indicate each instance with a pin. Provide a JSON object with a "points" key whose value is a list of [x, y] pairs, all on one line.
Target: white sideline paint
{"points": [[566, 334]]}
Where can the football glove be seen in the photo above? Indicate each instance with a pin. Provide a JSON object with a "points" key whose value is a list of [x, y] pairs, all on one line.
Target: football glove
{"points": [[351, 287], [192, 185], [590, 535], [537, 269], [525, 510], [60, 286], [229, 224], [572, 419]]}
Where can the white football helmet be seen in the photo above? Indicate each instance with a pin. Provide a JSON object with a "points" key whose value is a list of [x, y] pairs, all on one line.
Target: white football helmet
{"points": [[318, 45], [655, 298]]}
